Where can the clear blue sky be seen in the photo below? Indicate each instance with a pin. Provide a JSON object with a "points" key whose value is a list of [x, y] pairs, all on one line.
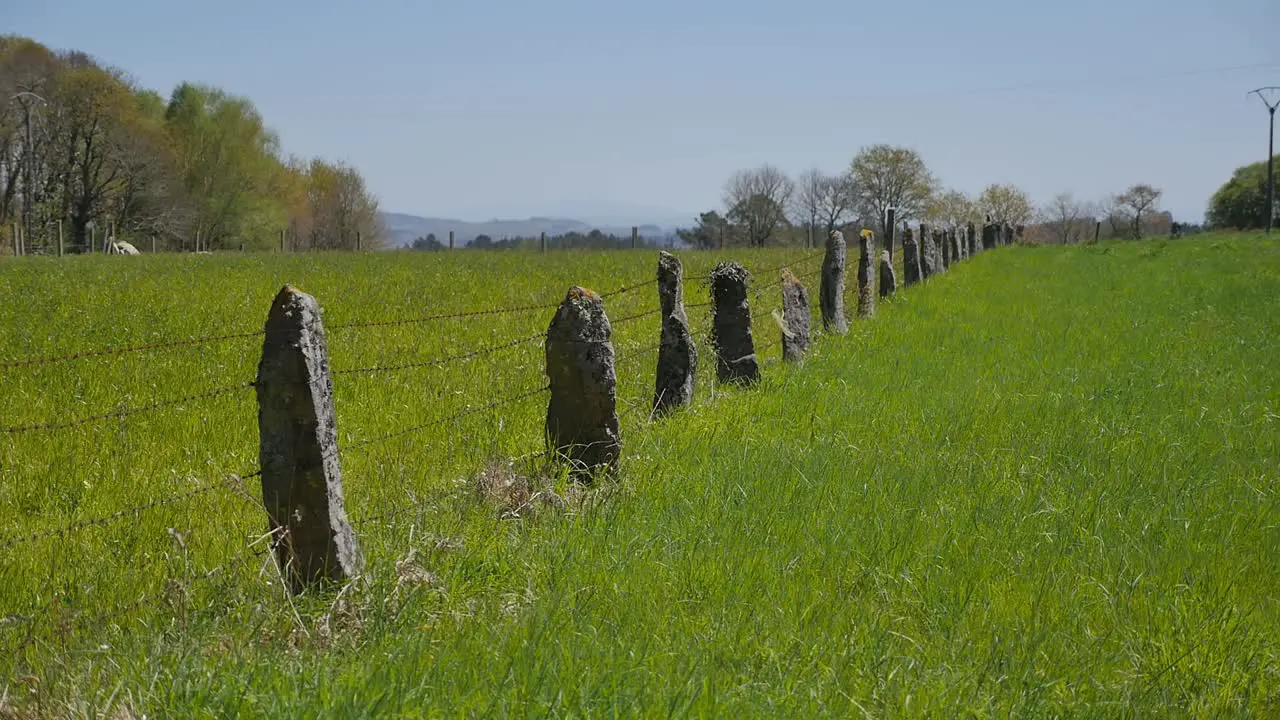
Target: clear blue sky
{"points": [[482, 108]]}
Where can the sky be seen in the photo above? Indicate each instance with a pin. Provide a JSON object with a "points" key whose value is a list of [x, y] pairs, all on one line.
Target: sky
{"points": [[639, 111]]}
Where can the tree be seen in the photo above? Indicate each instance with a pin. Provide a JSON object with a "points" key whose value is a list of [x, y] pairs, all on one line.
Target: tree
{"points": [[1137, 201], [1065, 217], [1242, 201], [810, 187], [885, 176], [952, 207], [428, 243], [757, 201], [229, 162], [709, 232], [342, 209], [1006, 204]]}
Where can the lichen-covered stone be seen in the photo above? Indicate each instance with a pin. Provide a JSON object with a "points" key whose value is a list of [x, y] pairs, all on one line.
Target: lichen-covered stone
{"points": [[301, 476], [795, 318], [831, 288], [911, 271], [888, 278], [866, 287], [582, 415], [677, 355], [731, 325]]}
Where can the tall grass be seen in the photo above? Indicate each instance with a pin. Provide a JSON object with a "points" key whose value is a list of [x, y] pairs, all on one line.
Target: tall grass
{"points": [[1043, 484]]}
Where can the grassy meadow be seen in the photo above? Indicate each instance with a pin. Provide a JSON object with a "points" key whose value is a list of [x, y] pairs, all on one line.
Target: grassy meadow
{"points": [[1042, 484]]}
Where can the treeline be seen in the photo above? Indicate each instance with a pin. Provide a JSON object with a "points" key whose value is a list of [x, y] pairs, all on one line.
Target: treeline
{"points": [[84, 148], [764, 206], [593, 240]]}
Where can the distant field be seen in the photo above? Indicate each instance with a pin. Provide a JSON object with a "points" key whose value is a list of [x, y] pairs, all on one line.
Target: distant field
{"points": [[1043, 484]]}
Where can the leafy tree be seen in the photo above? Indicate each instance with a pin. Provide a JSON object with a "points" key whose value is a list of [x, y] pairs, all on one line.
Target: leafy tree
{"points": [[1138, 201], [428, 243], [1242, 201], [709, 232], [953, 208], [1006, 204], [886, 176]]}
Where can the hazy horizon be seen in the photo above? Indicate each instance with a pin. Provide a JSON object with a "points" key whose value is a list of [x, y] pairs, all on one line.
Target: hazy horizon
{"points": [[574, 109]]}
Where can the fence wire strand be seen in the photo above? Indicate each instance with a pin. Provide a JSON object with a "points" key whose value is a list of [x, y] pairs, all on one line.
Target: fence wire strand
{"points": [[125, 513], [352, 447], [126, 412], [460, 357]]}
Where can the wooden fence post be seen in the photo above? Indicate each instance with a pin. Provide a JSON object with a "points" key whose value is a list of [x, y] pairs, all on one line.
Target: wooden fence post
{"points": [[542, 241], [359, 240], [831, 288], [450, 239], [282, 249], [677, 355], [298, 448], [14, 239], [582, 416], [153, 244], [731, 325], [866, 286], [1097, 230], [59, 238], [794, 319], [635, 237]]}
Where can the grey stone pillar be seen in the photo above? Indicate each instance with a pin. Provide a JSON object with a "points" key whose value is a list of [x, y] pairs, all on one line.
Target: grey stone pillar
{"points": [[911, 272], [831, 291], [795, 318], [731, 325], [888, 278], [677, 355], [298, 448], [866, 287], [582, 415]]}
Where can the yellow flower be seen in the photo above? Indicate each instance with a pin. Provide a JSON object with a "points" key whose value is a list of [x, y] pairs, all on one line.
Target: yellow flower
{"points": [[866, 233]]}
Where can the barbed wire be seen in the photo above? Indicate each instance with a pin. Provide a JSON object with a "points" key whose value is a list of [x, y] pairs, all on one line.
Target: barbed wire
{"points": [[452, 418], [210, 339], [126, 412], [460, 357], [118, 515]]}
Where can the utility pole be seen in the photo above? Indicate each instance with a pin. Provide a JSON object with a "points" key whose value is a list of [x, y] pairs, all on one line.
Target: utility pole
{"points": [[1263, 93]]}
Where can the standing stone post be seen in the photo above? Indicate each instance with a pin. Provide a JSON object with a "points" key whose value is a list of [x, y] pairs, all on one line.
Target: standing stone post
{"points": [[731, 326], [970, 239], [298, 448], [990, 236], [957, 245], [866, 288], [831, 289], [890, 225], [888, 279], [582, 415], [911, 273], [795, 318], [945, 242], [677, 355], [1007, 231], [928, 253]]}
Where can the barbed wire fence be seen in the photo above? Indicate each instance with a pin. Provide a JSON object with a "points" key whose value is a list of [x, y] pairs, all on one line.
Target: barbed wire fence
{"points": [[23, 624]]}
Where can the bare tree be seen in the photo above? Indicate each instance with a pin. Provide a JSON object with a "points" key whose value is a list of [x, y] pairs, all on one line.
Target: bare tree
{"points": [[886, 177], [810, 188], [1065, 217], [838, 199], [757, 200], [952, 208], [1137, 201]]}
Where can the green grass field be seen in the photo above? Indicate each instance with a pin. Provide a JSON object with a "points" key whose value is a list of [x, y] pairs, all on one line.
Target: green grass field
{"points": [[1043, 484]]}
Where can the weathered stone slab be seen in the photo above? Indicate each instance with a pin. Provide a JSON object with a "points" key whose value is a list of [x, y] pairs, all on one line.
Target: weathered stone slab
{"points": [[831, 289], [677, 354], [731, 325], [929, 258], [888, 278], [866, 281], [582, 415], [301, 477], [912, 272], [795, 318]]}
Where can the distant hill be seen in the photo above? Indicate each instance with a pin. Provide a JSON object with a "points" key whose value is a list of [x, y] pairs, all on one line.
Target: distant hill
{"points": [[404, 229]]}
